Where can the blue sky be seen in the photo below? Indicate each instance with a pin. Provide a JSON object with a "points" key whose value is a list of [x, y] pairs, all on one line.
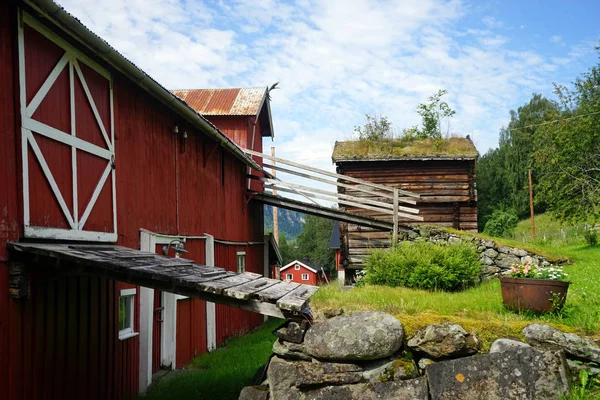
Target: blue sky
{"points": [[337, 60]]}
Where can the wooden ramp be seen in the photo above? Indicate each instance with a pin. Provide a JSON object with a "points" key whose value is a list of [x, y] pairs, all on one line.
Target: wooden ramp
{"points": [[321, 211], [249, 291], [391, 202]]}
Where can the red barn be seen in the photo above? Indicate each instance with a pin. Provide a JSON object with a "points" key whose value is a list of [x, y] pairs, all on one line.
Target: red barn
{"points": [[302, 272], [94, 151]]}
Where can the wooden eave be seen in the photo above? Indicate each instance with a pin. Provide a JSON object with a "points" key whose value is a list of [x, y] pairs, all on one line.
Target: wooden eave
{"points": [[248, 291]]}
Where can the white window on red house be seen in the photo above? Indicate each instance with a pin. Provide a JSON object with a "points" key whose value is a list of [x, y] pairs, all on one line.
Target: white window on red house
{"points": [[297, 267], [241, 262], [304, 277], [289, 277], [126, 314]]}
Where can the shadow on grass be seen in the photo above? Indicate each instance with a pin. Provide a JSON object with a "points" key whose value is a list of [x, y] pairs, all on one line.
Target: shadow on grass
{"points": [[221, 374]]}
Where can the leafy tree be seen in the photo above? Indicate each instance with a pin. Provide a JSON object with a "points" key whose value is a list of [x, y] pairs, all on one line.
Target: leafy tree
{"points": [[433, 113], [375, 128], [501, 223], [312, 242], [568, 152], [502, 178]]}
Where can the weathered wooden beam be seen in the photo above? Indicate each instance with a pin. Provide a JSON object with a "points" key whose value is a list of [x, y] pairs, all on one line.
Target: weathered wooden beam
{"points": [[327, 173], [297, 299], [271, 184], [321, 211], [368, 191]]}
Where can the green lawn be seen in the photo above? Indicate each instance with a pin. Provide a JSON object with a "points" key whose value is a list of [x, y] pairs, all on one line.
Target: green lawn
{"points": [[480, 308], [223, 373]]}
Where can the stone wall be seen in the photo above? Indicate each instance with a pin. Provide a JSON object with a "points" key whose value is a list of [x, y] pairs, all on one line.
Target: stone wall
{"points": [[365, 355], [495, 259]]}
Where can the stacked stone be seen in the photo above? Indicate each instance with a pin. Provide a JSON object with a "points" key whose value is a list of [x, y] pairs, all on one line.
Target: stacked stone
{"points": [[495, 259], [365, 355]]}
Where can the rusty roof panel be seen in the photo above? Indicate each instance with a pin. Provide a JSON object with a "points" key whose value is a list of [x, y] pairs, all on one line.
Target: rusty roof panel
{"points": [[240, 101]]}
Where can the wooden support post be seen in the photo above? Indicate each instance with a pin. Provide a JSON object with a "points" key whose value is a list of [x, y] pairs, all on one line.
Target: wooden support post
{"points": [[211, 312], [531, 204], [275, 211], [395, 233]]}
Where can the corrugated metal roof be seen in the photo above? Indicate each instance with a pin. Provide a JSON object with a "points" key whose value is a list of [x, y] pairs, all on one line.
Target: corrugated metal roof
{"points": [[238, 101]]}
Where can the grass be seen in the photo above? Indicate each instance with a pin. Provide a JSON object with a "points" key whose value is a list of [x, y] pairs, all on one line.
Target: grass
{"points": [[223, 373], [480, 308], [383, 148]]}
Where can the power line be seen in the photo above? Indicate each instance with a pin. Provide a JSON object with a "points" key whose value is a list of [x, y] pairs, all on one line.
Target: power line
{"points": [[556, 120]]}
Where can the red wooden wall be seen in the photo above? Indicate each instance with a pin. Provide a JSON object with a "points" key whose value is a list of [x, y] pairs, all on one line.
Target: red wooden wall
{"points": [[234, 321], [62, 341]]}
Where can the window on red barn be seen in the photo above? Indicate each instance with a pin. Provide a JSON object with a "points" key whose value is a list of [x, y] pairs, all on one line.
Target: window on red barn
{"points": [[126, 313], [241, 262], [289, 277], [304, 277], [297, 267]]}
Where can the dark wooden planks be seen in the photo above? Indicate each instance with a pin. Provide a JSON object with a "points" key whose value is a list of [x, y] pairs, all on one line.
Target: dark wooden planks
{"points": [[247, 290]]}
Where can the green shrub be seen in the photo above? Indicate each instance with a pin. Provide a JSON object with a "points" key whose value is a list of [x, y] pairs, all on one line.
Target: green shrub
{"points": [[424, 265], [502, 223], [591, 237]]}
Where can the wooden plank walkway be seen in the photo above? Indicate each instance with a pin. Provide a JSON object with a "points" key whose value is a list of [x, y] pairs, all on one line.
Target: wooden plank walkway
{"points": [[248, 290]]}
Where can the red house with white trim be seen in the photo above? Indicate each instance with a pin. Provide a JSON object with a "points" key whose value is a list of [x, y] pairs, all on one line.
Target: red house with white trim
{"points": [[302, 272], [95, 152]]}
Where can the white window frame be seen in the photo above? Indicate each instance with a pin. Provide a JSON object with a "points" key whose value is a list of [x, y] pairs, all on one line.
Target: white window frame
{"points": [[31, 128], [297, 267], [241, 267], [129, 331], [289, 277], [304, 277]]}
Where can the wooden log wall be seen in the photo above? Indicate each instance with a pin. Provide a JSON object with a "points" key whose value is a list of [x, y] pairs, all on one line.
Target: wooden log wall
{"points": [[448, 198]]}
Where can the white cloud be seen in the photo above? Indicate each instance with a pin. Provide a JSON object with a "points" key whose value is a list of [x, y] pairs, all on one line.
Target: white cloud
{"points": [[336, 60], [492, 22], [556, 39]]}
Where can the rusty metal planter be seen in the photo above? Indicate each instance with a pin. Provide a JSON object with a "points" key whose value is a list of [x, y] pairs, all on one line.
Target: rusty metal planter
{"points": [[538, 295]]}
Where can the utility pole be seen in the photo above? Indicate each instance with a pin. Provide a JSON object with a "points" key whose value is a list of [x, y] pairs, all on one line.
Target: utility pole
{"points": [[531, 204], [275, 216]]}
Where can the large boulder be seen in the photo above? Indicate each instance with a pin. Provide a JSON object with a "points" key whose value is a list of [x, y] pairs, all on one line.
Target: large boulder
{"points": [[519, 374], [444, 341], [368, 335], [544, 335]]}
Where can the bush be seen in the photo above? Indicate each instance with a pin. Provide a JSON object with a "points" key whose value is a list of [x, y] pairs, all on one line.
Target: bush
{"points": [[424, 265], [591, 237], [502, 223]]}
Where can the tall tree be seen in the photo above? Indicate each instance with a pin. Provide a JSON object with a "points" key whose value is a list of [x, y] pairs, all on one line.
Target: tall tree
{"points": [[502, 180], [568, 152], [313, 242]]}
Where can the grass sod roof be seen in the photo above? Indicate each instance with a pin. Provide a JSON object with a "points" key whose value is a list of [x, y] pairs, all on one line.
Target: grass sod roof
{"points": [[405, 149]]}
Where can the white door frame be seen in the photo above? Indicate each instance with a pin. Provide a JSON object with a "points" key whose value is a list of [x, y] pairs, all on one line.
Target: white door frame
{"points": [[168, 345]]}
